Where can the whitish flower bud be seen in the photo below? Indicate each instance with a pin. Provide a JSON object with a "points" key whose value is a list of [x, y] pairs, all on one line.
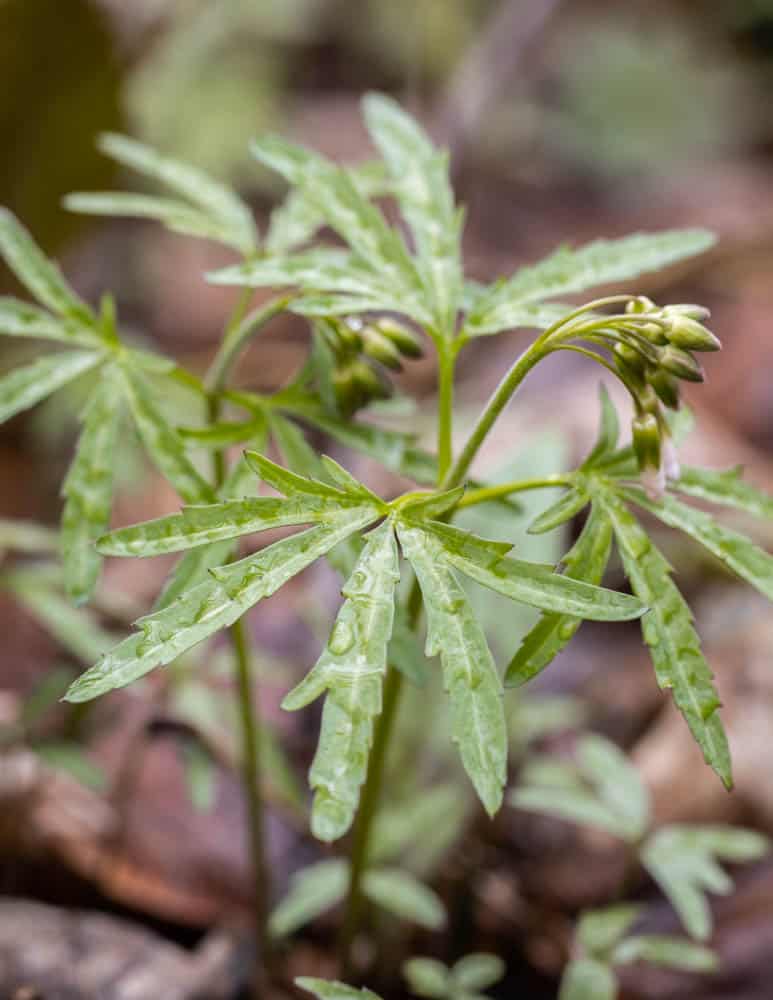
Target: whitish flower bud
{"points": [[681, 363], [670, 459], [381, 348], [405, 340]]}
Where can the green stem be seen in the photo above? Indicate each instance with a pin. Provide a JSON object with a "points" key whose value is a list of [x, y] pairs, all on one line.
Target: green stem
{"points": [[446, 363], [239, 329], [473, 497], [261, 875], [496, 404]]}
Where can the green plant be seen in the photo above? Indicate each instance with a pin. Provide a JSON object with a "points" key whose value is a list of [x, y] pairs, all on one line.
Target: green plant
{"points": [[603, 944], [429, 978], [366, 302]]}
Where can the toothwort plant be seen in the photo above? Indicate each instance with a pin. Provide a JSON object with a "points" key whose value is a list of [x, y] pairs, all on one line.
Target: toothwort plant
{"points": [[377, 298]]}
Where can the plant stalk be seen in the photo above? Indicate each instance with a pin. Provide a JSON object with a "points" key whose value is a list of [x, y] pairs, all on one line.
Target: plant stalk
{"points": [[239, 329], [446, 364]]}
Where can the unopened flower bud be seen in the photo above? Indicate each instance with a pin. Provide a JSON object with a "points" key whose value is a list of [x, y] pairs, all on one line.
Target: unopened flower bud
{"points": [[381, 348], [681, 363], [691, 335], [641, 304], [666, 387], [405, 340], [630, 358], [368, 381], [646, 440], [699, 313]]}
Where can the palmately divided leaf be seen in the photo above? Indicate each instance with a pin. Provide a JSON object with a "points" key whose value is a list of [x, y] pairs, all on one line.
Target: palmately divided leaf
{"points": [[598, 931], [669, 632], [617, 781], [587, 561], [535, 585], [215, 199], [399, 893], [24, 387], [735, 550], [423, 189], [470, 675], [291, 483], [36, 272], [351, 670], [596, 263], [478, 971], [162, 442], [88, 489], [725, 487], [20, 319], [212, 605]]}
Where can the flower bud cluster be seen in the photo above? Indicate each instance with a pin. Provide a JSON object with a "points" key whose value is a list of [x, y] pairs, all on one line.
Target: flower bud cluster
{"points": [[362, 351], [653, 356]]}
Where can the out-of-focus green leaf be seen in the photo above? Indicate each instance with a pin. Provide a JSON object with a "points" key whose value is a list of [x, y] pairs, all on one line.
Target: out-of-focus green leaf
{"points": [[75, 628], [400, 894], [616, 780], [735, 550], [351, 670], [312, 891], [568, 270], [409, 824], [23, 387], [200, 774], [514, 316], [71, 757], [470, 675], [232, 217], [212, 605], [297, 219], [725, 487], [586, 561], [670, 952], [669, 632], [684, 861], [325, 989], [427, 977], [478, 971], [25, 536], [598, 931], [37, 273], [588, 979], [162, 442], [88, 489], [177, 216], [20, 319]]}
